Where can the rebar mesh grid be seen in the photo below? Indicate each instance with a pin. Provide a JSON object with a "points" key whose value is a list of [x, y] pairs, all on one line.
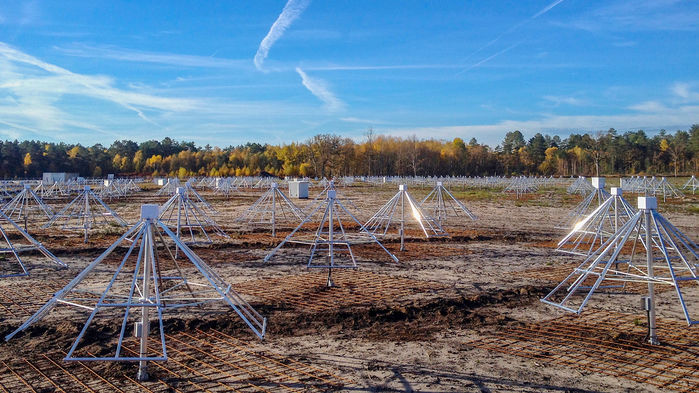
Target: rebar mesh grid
{"points": [[199, 361], [304, 292], [608, 343], [557, 273]]}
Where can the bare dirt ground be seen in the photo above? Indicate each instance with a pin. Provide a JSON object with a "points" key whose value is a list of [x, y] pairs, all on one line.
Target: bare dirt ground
{"points": [[456, 314]]}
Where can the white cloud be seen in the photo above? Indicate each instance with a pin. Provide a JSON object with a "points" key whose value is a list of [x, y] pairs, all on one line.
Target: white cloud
{"points": [[36, 96], [633, 15], [291, 11], [37, 90], [320, 89], [40, 100], [339, 67], [363, 121], [174, 59], [685, 91], [648, 106], [564, 100], [653, 118]]}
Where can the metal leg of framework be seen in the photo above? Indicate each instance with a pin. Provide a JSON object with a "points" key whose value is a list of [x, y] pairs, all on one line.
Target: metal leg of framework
{"points": [[145, 292], [394, 211], [330, 207], [270, 208], [670, 258], [83, 213]]}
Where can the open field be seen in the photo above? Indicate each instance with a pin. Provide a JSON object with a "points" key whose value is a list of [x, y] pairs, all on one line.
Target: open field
{"points": [[460, 313]]}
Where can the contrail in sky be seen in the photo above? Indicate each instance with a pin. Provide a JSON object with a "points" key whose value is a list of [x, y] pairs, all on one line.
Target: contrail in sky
{"points": [[291, 11], [319, 89], [508, 31], [487, 59]]}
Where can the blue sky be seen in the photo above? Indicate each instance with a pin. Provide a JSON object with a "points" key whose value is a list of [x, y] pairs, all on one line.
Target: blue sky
{"points": [[229, 72]]}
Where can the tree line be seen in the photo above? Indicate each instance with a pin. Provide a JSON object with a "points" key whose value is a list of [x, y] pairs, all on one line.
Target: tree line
{"points": [[326, 155]]}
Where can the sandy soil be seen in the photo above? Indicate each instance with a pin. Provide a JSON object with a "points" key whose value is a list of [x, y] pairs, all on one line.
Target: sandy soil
{"points": [[387, 326]]}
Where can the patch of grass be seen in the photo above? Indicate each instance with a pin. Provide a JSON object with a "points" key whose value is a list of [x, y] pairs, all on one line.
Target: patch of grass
{"points": [[475, 194]]}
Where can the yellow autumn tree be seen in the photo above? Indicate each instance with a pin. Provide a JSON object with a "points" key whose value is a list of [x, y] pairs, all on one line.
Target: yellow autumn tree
{"points": [[550, 163], [116, 161], [664, 145], [182, 173], [138, 161]]}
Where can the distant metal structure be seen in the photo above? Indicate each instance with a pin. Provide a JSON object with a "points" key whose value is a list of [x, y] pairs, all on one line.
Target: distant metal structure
{"points": [[111, 189], [521, 185], [592, 231], [13, 248], [27, 203], [58, 177], [394, 212], [441, 204], [170, 187], [49, 190], [647, 249], [667, 190], [580, 186], [330, 237], [593, 199], [691, 184], [226, 186], [85, 212], [144, 286], [329, 185], [131, 186], [199, 200], [270, 209], [189, 219]]}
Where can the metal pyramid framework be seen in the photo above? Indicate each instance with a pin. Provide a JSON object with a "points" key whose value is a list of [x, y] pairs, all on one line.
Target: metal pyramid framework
{"points": [[593, 199], [84, 213], [25, 205], [691, 184], [667, 190], [580, 186], [639, 185], [226, 186], [331, 244], [646, 249], [146, 283], [199, 200], [591, 232], [14, 266], [131, 186], [4, 194], [112, 189], [272, 208], [521, 185], [170, 187], [330, 185], [441, 204], [189, 219], [394, 212], [50, 190]]}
